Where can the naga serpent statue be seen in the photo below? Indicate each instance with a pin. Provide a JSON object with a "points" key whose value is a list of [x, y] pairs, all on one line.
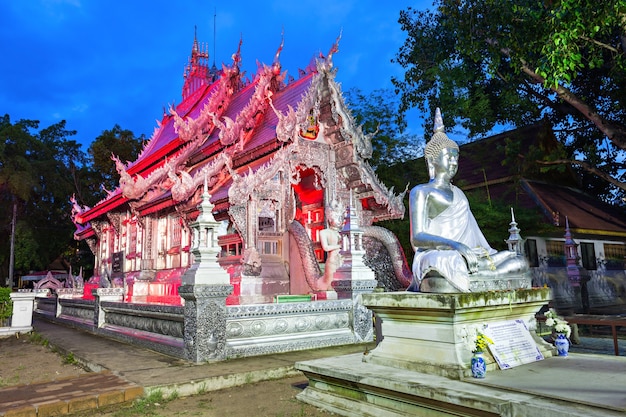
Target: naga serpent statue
{"points": [[400, 270]]}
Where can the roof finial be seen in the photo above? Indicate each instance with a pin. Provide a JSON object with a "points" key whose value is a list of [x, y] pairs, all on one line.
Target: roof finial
{"points": [[335, 48], [214, 19], [439, 127]]}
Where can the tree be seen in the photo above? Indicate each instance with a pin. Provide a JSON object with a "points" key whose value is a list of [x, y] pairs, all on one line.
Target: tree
{"points": [[17, 177], [379, 115], [394, 151], [119, 142], [492, 63], [36, 182]]}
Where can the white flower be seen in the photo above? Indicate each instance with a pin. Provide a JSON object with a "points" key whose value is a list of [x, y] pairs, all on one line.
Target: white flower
{"points": [[559, 325]]}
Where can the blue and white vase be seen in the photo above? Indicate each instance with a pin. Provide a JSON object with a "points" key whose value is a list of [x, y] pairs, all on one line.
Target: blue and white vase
{"points": [[479, 366], [562, 344]]}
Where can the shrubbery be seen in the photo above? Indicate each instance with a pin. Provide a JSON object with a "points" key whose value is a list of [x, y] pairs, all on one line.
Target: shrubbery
{"points": [[6, 304]]}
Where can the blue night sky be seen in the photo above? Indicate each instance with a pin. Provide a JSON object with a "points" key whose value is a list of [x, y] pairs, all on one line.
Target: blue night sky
{"points": [[97, 63]]}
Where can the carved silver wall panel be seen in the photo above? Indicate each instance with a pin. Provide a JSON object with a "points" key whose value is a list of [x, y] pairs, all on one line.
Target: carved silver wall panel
{"points": [[46, 306], [269, 328], [164, 324], [256, 348], [261, 310], [81, 311], [363, 319]]}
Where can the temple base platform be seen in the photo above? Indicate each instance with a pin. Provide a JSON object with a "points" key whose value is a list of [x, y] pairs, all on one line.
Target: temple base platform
{"points": [[422, 364], [579, 385]]}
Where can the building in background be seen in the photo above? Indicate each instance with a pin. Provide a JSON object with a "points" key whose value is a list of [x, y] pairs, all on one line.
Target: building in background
{"points": [[593, 231]]}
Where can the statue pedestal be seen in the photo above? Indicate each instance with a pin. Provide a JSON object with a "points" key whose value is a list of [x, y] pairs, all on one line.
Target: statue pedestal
{"points": [[422, 364], [432, 333], [476, 283]]}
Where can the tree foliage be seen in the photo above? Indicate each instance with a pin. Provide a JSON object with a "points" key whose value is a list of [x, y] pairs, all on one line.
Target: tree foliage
{"points": [[379, 115], [36, 178], [104, 177], [40, 169], [492, 63]]}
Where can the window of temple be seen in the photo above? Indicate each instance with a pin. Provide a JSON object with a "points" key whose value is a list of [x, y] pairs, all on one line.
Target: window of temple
{"points": [[111, 245], [162, 228], [231, 245], [556, 253], [530, 248], [615, 256], [132, 249], [176, 232], [269, 239], [588, 252], [148, 253], [267, 224], [268, 216], [269, 247]]}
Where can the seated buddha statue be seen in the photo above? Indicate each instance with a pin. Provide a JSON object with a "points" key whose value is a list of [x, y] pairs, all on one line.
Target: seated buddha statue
{"points": [[450, 249]]}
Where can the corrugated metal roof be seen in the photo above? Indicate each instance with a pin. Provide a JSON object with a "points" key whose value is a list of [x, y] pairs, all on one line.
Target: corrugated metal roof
{"points": [[481, 166], [582, 210]]}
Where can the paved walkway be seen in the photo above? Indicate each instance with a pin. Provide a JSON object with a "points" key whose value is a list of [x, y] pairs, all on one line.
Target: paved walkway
{"points": [[122, 372]]}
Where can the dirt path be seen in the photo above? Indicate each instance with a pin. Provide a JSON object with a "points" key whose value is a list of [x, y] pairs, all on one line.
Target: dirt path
{"points": [[25, 360]]}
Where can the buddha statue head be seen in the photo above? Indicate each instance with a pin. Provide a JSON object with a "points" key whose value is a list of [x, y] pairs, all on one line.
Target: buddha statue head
{"points": [[437, 143]]}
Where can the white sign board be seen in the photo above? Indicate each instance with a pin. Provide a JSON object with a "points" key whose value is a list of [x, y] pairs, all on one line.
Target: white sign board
{"points": [[512, 344]]}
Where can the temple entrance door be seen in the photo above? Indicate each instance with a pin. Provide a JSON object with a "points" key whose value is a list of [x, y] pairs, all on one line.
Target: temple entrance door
{"points": [[309, 195]]}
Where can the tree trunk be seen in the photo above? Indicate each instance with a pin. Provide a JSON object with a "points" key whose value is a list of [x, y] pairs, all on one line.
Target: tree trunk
{"points": [[12, 253]]}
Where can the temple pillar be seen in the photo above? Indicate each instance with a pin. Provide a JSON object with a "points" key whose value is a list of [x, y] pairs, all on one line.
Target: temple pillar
{"points": [[205, 321], [100, 295], [205, 286], [353, 277]]}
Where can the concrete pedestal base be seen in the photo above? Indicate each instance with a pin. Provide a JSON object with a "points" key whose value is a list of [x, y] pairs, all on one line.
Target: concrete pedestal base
{"points": [[431, 333]]}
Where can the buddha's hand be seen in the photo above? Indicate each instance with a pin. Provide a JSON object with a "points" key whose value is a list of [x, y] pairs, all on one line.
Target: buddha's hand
{"points": [[471, 258]]}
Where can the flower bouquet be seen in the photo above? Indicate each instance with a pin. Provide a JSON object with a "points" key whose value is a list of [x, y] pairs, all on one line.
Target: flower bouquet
{"points": [[478, 363], [562, 330], [557, 324], [481, 342]]}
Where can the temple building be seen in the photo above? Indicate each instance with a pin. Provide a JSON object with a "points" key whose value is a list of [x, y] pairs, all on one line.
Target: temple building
{"points": [[274, 153]]}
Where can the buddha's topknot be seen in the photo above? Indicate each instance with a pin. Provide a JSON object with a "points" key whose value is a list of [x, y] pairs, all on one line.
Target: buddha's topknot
{"points": [[439, 140]]}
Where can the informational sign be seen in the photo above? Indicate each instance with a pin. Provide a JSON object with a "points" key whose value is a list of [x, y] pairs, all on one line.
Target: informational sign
{"points": [[513, 344], [117, 262]]}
